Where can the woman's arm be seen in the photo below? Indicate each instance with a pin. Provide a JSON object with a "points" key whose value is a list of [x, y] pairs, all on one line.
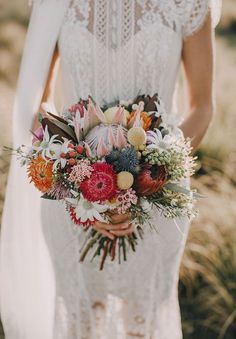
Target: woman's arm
{"points": [[49, 87], [198, 62]]}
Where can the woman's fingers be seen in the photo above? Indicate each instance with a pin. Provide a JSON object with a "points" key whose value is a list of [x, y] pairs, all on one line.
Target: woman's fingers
{"points": [[119, 218], [109, 227], [104, 232], [112, 230], [126, 231]]}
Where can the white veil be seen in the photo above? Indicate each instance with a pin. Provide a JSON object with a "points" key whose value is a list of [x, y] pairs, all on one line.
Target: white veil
{"points": [[27, 284]]}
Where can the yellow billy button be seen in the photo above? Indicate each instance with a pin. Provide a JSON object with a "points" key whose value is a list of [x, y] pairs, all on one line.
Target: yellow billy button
{"points": [[124, 180]]}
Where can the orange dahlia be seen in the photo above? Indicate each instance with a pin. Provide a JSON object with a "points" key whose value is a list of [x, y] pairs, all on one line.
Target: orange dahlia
{"points": [[145, 118], [40, 173]]}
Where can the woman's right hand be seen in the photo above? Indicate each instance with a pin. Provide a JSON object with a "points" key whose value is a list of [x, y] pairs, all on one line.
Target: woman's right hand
{"points": [[120, 226]]}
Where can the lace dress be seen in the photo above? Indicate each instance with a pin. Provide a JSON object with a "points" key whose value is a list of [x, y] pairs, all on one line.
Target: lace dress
{"points": [[115, 50]]}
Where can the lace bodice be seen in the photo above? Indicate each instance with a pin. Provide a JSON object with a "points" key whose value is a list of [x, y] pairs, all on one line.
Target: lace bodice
{"points": [[116, 49]]}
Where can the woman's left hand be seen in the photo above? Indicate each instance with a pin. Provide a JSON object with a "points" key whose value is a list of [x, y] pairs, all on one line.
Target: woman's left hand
{"points": [[121, 224]]}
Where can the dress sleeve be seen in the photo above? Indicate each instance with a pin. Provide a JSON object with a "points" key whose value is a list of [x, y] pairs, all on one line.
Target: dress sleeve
{"points": [[197, 12]]}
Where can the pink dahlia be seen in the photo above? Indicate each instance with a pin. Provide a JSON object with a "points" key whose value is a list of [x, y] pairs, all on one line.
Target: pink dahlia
{"points": [[101, 185]]}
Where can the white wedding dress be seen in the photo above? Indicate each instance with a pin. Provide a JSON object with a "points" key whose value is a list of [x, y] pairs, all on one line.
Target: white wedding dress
{"points": [[111, 50]]}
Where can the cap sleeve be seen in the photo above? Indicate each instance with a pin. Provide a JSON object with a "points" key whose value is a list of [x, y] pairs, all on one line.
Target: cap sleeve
{"points": [[197, 12]]}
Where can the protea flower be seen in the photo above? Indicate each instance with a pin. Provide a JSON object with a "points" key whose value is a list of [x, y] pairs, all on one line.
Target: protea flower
{"points": [[150, 180], [102, 138]]}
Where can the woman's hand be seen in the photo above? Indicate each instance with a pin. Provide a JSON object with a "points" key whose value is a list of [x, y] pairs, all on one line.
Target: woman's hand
{"points": [[120, 226]]}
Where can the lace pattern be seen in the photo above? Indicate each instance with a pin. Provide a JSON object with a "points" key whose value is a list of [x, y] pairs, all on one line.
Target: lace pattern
{"points": [[122, 39], [124, 47]]}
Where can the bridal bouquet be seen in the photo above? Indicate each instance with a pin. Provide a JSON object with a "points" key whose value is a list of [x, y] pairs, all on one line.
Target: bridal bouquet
{"points": [[123, 158]]}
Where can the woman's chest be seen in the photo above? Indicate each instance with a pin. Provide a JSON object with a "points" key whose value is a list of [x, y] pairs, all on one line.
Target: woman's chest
{"points": [[118, 45], [115, 23]]}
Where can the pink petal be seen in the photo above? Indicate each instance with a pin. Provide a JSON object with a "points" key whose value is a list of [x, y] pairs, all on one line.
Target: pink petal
{"points": [[119, 116], [120, 137], [110, 137], [89, 153], [137, 120], [102, 149], [38, 134], [95, 112]]}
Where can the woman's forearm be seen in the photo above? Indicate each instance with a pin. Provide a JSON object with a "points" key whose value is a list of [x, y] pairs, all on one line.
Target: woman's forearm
{"points": [[48, 94], [196, 124]]}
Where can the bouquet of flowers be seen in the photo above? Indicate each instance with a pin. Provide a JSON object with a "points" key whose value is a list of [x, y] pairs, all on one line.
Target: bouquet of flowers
{"points": [[124, 157]]}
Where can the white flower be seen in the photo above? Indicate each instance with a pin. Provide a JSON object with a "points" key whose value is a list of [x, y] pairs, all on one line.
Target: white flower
{"points": [[156, 140], [46, 145], [160, 107], [171, 122], [59, 151], [87, 211]]}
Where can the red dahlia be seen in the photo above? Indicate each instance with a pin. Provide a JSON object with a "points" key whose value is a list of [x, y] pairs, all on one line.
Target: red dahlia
{"points": [[101, 185]]}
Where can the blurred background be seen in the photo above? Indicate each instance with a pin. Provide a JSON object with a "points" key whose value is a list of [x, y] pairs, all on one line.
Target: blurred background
{"points": [[208, 273]]}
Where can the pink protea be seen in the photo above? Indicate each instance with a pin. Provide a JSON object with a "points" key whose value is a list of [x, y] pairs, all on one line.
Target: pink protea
{"points": [[102, 184], [126, 199], [80, 172], [77, 107]]}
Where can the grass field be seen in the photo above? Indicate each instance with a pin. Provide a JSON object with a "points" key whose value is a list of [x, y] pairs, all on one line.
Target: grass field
{"points": [[208, 273]]}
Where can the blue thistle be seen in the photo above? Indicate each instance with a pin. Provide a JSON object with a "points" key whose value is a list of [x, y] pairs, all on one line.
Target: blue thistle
{"points": [[125, 159]]}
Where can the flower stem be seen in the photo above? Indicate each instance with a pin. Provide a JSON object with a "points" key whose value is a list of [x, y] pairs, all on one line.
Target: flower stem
{"points": [[98, 250], [104, 254], [113, 249], [119, 246], [89, 245], [124, 248]]}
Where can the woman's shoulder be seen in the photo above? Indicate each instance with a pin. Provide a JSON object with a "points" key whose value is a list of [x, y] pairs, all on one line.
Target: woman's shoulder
{"points": [[196, 12]]}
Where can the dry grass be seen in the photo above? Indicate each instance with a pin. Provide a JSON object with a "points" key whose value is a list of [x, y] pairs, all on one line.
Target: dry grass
{"points": [[208, 273]]}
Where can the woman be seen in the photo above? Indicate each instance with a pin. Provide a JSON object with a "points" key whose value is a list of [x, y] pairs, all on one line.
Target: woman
{"points": [[111, 50]]}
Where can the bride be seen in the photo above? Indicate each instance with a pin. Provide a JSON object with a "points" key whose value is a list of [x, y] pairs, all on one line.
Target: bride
{"points": [[111, 50]]}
